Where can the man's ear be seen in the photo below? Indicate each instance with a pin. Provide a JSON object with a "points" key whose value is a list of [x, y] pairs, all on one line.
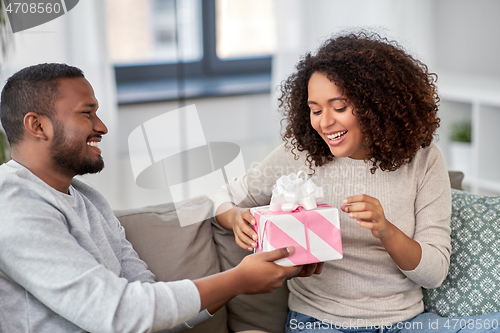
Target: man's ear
{"points": [[37, 125]]}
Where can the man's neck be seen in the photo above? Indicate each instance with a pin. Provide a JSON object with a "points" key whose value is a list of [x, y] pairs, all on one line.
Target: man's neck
{"points": [[45, 169]]}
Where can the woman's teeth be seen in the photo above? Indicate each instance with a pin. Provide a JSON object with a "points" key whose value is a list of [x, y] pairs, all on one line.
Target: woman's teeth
{"points": [[336, 135]]}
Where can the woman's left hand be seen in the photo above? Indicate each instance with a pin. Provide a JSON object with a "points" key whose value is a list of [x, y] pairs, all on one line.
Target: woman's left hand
{"points": [[368, 213]]}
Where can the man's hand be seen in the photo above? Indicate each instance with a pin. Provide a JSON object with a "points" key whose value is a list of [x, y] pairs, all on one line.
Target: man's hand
{"points": [[257, 273]]}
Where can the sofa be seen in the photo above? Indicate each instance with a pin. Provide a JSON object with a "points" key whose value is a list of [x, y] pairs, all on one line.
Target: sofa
{"points": [[173, 252]]}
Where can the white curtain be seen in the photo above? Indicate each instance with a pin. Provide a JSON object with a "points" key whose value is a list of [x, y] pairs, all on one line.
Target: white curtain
{"points": [[77, 38]]}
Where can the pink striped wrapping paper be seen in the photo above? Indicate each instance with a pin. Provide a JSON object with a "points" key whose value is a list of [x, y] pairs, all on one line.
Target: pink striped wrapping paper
{"points": [[315, 234]]}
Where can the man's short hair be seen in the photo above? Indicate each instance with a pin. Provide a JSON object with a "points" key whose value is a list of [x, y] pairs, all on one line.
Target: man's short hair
{"points": [[33, 88]]}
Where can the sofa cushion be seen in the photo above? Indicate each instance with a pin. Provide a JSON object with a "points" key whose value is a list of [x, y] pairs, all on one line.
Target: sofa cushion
{"points": [[173, 252], [267, 312], [472, 286], [456, 178]]}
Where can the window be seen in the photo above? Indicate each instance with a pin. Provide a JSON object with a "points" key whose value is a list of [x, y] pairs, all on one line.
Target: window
{"points": [[171, 49], [164, 29], [244, 28], [146, 33]]}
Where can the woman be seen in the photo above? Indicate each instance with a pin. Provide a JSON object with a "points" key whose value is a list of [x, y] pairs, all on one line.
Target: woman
{"points": [[361, 116]]}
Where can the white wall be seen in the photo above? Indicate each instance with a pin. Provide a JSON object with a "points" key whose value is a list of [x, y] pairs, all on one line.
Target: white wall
{"points": [[250, 121], [467, 36]]}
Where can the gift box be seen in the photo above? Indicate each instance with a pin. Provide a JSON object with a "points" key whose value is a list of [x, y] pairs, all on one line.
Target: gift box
{"points": [[315, 233], [294, 218]]}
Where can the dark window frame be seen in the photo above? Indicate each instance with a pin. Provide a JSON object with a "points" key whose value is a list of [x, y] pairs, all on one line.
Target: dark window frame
{"points": [[210, 69]]}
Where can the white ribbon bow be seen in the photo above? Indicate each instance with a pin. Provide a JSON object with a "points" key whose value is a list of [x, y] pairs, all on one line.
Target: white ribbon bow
{"points": [[293, 191]]}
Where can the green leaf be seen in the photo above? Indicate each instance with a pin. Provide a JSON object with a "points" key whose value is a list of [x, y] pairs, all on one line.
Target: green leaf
{"points": [[461, 132], [3, 148], [5, 33]]}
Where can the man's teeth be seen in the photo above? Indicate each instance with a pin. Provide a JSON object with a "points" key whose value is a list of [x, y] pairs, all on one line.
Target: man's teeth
{"points": [[336, 135], [93, 144]]}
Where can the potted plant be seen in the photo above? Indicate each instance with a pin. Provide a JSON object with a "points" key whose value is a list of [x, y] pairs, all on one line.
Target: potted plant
{"points": [[4, 32], [461, 147], [4, 41], [4, 148]]}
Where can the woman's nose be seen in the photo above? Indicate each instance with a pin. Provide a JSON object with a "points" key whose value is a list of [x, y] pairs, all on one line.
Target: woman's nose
{"points": [[327, 119]]}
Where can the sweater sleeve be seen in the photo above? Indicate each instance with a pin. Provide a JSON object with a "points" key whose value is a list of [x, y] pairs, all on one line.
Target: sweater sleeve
{"points": [[74, 285], [201, 317], [255, 187], [432, 220]]}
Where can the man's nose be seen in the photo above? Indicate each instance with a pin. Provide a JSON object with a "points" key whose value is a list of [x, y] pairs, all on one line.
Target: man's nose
{"points": [[99, 126]]}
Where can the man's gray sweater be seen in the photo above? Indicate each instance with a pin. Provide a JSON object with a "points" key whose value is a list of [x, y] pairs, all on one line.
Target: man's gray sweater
{"points": [[65, 265]]}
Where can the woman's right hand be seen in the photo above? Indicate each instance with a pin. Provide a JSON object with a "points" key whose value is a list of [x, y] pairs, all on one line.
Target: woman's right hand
{"points": [[244, 235], [238, 219]]}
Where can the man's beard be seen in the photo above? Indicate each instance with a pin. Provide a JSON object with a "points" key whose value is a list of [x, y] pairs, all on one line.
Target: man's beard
{"points": [[66, 155]]}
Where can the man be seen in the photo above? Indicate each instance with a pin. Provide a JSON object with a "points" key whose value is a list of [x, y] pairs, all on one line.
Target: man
{"points": [[65, 265]]}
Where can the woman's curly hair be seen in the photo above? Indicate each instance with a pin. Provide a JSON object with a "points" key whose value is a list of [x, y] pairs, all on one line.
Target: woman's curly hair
{"points": [[393, 96]]}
